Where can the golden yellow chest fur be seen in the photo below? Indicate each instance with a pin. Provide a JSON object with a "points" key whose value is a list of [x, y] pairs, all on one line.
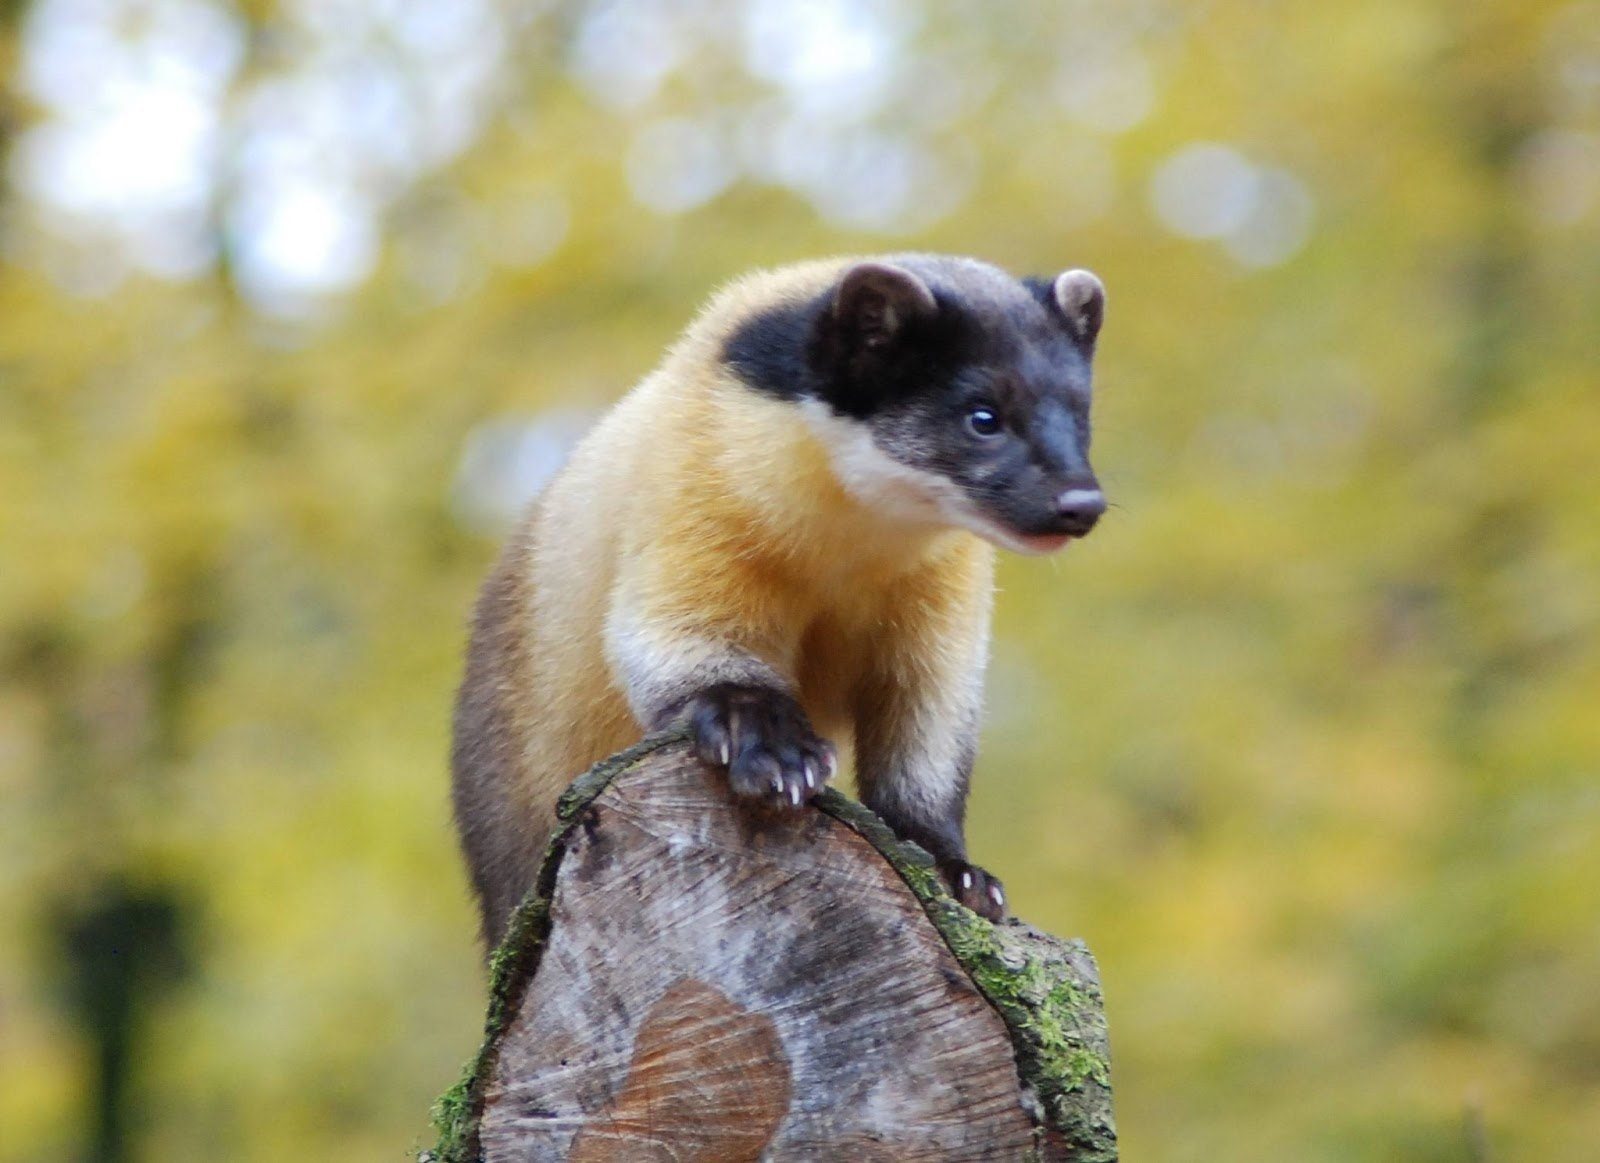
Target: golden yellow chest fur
{"points": [[700, 512]]}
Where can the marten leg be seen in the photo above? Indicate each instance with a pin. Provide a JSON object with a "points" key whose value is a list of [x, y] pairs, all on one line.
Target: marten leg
{"points": [[917, 716], [762, 736], [727, 682], [913, 768]]}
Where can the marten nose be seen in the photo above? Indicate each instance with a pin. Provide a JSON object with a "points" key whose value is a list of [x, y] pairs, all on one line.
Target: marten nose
{"points": [[1077, 510]]}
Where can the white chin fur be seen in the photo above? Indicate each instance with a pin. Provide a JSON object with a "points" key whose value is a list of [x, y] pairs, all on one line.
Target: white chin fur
{"points": [[904, 493], [1027, 546], [1032, 546], [874, 477]]}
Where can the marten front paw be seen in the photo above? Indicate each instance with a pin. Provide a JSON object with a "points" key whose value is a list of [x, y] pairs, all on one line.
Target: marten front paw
{"points": [[764, 740], [978, 890]]}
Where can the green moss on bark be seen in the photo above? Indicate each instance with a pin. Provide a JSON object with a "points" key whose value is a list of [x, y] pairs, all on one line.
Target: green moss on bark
{"points": [[1046, 990]]}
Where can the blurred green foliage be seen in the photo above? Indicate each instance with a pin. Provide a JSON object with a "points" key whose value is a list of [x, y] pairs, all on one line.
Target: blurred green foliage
{"points": [[1305, 740]]}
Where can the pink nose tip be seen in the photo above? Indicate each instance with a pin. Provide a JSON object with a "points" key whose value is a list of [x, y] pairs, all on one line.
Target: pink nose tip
{"points": [[1080, 509]]}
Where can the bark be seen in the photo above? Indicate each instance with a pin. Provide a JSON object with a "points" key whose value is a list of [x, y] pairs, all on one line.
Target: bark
{"points": [[692, 979]]}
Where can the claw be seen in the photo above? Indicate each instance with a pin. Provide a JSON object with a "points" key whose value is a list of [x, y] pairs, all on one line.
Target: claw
{"points": [[966, 881], [998, 897], [777, 784], [794, 794], [725, 754], [811, 773]]}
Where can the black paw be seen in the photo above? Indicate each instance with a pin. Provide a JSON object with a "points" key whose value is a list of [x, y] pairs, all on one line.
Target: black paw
{"points": [[764, 740], [976, 889]]}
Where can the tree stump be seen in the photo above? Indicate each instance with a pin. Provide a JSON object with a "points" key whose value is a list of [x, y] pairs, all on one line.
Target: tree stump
{"points": [[695, 980]]}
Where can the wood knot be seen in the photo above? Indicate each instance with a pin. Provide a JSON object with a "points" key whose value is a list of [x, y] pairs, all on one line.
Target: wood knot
{"points": [[708, 1083]]}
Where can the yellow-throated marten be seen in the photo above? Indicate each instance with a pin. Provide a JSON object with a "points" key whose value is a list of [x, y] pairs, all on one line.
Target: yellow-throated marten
{"points": [[783, 537]]}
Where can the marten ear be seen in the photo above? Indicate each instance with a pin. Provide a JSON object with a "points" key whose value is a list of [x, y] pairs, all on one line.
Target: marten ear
{"points": [[875, 301], [1081, 298]]}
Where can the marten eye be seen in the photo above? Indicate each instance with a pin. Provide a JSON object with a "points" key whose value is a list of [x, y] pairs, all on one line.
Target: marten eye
{"points": [[983, 420]]}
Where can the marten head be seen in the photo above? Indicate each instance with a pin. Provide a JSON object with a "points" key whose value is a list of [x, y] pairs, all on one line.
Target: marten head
{"points": [[945, 390]]}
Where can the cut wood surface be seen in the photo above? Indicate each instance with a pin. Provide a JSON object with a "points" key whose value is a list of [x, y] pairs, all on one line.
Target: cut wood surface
{"points": [[697, 980]]}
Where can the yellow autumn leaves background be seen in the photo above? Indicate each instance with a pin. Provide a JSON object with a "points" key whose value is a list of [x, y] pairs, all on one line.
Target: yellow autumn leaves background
{"points": [[300, 299]]}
